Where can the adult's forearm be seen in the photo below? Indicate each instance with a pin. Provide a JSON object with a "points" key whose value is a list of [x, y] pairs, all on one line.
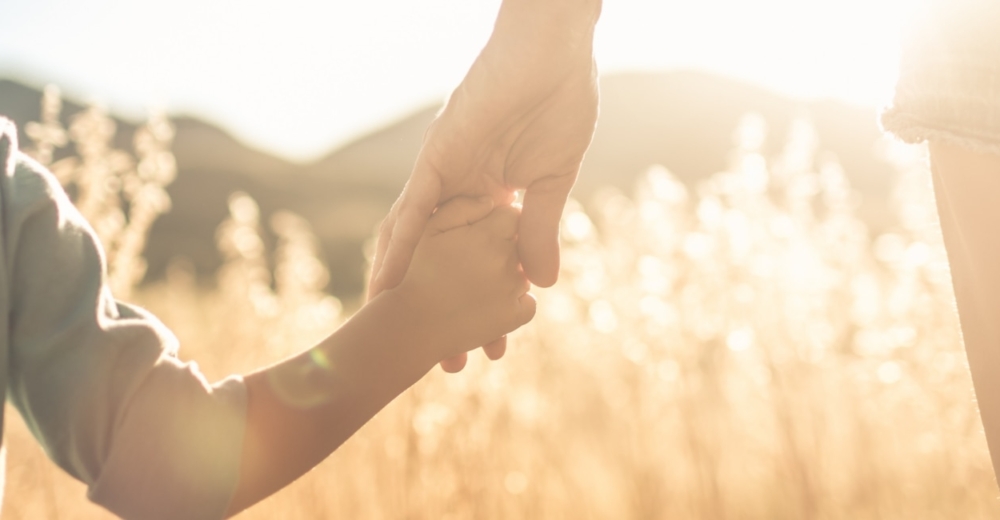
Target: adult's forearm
{"points": [[547, 29], [966, 186], [560, 14], [302, 409]]}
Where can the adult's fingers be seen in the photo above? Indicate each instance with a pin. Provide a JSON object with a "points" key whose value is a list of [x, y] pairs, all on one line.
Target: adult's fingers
{"points": [[413, 209], [384, 236], [460, 211], [538, 231]]}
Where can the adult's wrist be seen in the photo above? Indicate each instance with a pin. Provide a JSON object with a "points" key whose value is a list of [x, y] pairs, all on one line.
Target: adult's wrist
{"points": [[567, 12]]}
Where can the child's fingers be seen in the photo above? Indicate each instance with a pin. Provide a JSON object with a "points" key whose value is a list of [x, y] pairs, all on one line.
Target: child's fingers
{"points": [[502, 222], [455, 364], [496, 348], [460, 211]]}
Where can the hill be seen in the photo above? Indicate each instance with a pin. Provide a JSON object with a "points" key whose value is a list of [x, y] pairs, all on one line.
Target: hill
{"points": [[682, 120]]}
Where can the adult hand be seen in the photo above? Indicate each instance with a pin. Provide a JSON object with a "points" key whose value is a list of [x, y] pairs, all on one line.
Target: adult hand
{"points": [[521, 119]]}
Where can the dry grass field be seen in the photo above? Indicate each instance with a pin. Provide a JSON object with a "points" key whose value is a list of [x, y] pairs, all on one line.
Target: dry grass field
{"points": [[742, 350]]}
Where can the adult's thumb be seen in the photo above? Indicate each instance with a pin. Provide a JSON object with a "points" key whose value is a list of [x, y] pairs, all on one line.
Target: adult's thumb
{"points": [[460, 211], [538, 234]]}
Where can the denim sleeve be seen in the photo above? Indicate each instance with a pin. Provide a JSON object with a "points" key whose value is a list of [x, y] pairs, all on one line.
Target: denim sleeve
{"points": [[98, 381], [949, 83]]}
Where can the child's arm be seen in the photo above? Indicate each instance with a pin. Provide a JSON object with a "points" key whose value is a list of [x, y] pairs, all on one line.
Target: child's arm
{"points": [[463, 288]]}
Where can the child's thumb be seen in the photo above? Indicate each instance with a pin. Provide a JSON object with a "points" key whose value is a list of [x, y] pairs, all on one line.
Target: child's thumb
{"points": [[460, 211]]}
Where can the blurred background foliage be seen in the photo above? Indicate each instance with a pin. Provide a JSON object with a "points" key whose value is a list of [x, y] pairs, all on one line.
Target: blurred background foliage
{"points": [[742, 346], [682, 120]]}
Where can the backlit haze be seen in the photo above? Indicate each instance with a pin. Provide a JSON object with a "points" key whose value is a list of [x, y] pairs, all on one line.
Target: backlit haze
{"points": [[299, 77]]}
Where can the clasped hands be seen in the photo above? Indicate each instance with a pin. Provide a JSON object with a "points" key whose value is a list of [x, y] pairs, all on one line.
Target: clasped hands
{"points": [[521, 119]]}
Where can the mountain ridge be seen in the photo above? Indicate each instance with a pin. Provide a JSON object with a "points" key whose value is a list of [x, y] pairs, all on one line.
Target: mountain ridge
{"points": [[682, 120]]}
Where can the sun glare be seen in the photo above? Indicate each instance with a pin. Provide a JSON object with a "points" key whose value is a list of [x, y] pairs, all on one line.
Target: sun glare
{"points": [[845, 50], [299, 78]]}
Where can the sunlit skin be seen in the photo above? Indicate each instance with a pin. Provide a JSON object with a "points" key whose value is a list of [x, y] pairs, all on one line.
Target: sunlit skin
{"points": [[464, 286], [521, 119], [967, 187], [372, 62]]}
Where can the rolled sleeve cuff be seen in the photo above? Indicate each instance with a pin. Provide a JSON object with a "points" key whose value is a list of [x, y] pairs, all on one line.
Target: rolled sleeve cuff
{"points": [[949, 84], [176, 453]]}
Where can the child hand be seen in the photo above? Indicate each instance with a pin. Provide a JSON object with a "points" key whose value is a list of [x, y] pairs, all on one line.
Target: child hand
{"points": [[465, 279]]}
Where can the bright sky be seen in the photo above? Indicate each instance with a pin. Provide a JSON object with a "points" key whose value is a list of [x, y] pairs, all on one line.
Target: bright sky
{"points": [[298, 77]]}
